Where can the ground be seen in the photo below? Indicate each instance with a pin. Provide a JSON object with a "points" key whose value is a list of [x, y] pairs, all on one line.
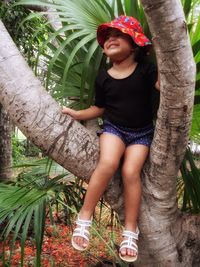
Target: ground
{"points": [[57, 250]]}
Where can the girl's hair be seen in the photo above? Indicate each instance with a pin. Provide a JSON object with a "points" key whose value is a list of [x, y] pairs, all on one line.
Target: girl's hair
{"points": [[140, 53]]}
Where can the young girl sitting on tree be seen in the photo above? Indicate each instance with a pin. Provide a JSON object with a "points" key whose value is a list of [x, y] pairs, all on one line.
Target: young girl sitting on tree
{"points": [[123, 98]]}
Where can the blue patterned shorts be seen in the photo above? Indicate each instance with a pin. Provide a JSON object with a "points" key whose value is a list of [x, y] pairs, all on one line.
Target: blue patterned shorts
{"points": [[130, 136]]}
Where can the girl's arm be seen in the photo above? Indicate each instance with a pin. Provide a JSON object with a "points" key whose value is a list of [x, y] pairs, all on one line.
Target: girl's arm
{"points": [[157, 85], [85, 114]]}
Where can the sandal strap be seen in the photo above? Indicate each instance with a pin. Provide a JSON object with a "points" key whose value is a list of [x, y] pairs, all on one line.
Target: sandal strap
{"points": [[129, 244], [84, 223], [81, 232], [131, 234]]}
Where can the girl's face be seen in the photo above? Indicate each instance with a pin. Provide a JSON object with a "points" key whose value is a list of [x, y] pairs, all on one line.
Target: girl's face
{"points": [[118, 46]]}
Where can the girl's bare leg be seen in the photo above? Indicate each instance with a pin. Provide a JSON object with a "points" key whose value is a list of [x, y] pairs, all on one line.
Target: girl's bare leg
{"points": [[111, 150], [134, 158]]}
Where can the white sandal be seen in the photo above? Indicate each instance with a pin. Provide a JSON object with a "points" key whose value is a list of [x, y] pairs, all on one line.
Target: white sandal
{"points": [[129, 243], [81, 231]]}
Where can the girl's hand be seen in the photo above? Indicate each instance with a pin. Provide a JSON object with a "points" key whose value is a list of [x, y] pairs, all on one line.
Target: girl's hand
{"points": [[157, 85], [84, 114], [69, 111]]}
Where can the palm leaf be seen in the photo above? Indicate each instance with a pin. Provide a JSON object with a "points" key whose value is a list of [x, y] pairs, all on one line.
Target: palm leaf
{"points": [[82, 18], [86, 67], [39, 225], [191, 178], [120, 8], [25, 232], [187, 7], [25, 202], [132, 8]]}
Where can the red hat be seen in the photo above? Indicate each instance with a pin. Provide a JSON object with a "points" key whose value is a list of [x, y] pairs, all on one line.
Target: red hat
{"points": [[125, 24]]}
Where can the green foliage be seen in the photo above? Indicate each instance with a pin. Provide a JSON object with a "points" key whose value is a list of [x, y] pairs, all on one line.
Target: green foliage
{"points": [[189, 7], [193, 20], [73, 55], [23, 34], [18, 149], [25, 204], [195, 129], [30, 149], [189, 184]]}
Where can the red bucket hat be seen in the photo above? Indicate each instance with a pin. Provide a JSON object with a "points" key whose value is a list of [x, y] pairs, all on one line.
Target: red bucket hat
{"points": [[125, 24]]}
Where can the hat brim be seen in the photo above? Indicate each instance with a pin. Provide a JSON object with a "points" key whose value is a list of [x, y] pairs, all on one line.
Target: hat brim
{"points": [[139, 38]]}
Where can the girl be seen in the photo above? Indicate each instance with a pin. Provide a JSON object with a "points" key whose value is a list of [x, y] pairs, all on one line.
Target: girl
{"points": [[123, 97]]}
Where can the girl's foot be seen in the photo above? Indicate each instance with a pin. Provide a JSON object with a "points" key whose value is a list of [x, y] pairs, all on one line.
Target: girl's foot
{"points": [[80, 237], [128, 248]]}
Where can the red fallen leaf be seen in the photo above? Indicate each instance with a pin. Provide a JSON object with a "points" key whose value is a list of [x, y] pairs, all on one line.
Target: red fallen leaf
{"points": [[57, 250], [28, 250], [46, 263]]}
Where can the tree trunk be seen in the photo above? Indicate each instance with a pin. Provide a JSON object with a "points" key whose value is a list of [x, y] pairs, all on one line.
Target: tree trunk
{"points": [[160, 220], [39, 116], [168, 238], [5, 146]]}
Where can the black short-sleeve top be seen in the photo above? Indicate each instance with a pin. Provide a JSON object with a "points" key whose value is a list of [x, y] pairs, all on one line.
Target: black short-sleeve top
{"points": [[127, 101]]}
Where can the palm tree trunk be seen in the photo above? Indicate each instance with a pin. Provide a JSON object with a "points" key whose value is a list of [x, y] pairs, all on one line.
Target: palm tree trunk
{"points": [[160, 219], [166, 234], [5, 146], [39, 116]]}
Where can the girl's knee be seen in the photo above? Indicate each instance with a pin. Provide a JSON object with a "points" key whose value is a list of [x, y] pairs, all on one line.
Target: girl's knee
{"points": [[108, 165], [130, 175]]}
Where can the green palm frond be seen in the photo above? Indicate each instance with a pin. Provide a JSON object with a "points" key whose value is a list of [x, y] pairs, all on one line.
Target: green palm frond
{"points": [[189, 7], [25, 204], [73, 48], [190, 189], [79, 22], [18, 206], [195, 41]]}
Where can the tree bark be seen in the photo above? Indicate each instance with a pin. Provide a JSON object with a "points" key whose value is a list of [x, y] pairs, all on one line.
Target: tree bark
{"points": [[166, 234], [39, 116], [5, 146], [160, 219]]}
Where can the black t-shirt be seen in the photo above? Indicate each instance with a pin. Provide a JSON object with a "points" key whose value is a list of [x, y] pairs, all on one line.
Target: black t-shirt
{"points": [[127, 101]]}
